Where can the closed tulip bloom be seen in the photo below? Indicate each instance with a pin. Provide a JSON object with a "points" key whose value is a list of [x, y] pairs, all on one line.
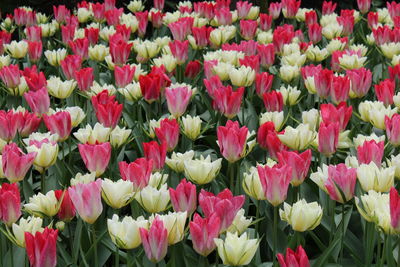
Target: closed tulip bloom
{"points": [[184, 197], [248, 29], [385, 91], [59, 123], [341, 178], [138, 172], [244, 76], [10, 76], [324, 82], [371, 151], [252, 184], [179, 50], [66, 212], [202, 170], [120, 51], [263, 83], [178, 99], [108, 110], [300, 163], [191, 127], [225, 205], [360, 81], [394, 208], [35, 50], [262, 133], [46, 152], [155, 240], [117, 194], [96, 157], [275, 182], [168, 133], [87, 200], [41, 248], [84, 78], [150, 86], [236, 250], [43, 205], [371, 177], [176, 161], [38, 101], [70, 64], [153, 200], [393, 129], [340, 89], [119, 136], [341, 114], [156, 152], [174, 222], [8, 125], [297, 138], [124, 75], [228, 101], [203, 231], [15, 163], [292, 259], [125, 233], [302, 216], [273, 101], [17, 49], [10, 203], [328, 138]]}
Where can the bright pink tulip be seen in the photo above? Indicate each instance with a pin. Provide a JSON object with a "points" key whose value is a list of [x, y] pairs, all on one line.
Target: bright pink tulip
{"points": [[113, 15], [192, 69], [35, 51], [181, 28], [328, 7], [243, 8], [251, 61], [108, 111], [224, 205], [393, 129], [109, 4], [275, 182], [314, 33], [8, 126], [159, 4], [61, 13], [364, 5], [203, 231], [70, 64], [124, 30], [394, 8], [300, 163], [184, 197], [38, 101], [360, 80], [84, 77], [98, 11], [370, 151], [228, 101], [156, 18], [282, 35], [156, 152], [328, 138], [15, 163], [385, 91], [275, 10], [34, 33], [59, 123], [155, 240], [202, 35], [96, 157], [223, 16], [10, 76], [35, 81], [248, 29], [142, 17], [232, 140], [394, 208], [347, 23], [41, 248], [311, 17], [394, 72], [263, 131], [323, 82], [290, 8], [341, 181], [341, 114], [267, 55], [180, 50], [138, 172], [263, 83], [120, 51], [265, 22], [26, 122], [80, 47], [124, 75], [340, 89], [10, 203], [150, 85], [168, 133], [273, 101], [87, 200], [67, 33], [178, 99], [67, 209], [92, 34], [373, 19], [293, 259]]}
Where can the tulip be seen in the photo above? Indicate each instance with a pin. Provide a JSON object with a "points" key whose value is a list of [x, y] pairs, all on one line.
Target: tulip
{"points": [[10, 76], [137, 172], [267, 55], [201, 36], [340, 89], [179, 50], [184, 197], [35, 80], [155, 240], [124, 75], [252, 184], [30, 224], [300, 163], [113, 15], [59, 123], [46, 152], [263, 83], [323, 82], [98, 133], [203, 232], [38, 101], [17, 49], [168, 133], [41, 248], [228, 101], [328, 138], [385, 91], [125, 234], [370, 151], [275, 182], [87, 200], [66, 211], [302, 216], [225, 205], [96, 157], [43, 205], [394, 208], [371, 177], [8, 124], [35, 50], [54, 57], [191, 127], [16, 164], [150, 86], [298, 258], [117, 194], [392, 129], [203, 170], [341, 114], [174, 222], [192, 69], [119, 136], [108, 111], [341, 182], [156, 152], [153, 200], [120, 51], [248, 29], [178, 99], [70, 64], [176, 162], [80, 47], [10, 203], [142, 17], [236, 250], [297, 138], [181, 28]]}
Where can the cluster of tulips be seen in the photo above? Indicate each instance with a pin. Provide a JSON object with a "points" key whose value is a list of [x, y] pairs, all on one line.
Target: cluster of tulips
{"points": [[214, 133]]}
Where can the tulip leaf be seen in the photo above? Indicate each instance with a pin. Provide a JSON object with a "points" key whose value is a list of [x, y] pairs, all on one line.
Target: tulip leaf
{"points": [[77, 240], [327, 252]]}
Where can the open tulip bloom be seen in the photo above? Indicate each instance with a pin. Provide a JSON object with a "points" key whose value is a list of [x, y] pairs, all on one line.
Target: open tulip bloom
{"points": [[210, 133]]}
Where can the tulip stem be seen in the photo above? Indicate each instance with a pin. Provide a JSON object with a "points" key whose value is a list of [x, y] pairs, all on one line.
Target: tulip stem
{"points": [[96, 260], [343, 233], [257, 215], [275, 235], [231, 173], [370, 241], [43, 182], [116, 256], [11, 255]]}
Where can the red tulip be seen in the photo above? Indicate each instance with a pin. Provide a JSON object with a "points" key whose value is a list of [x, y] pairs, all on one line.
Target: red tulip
{"points": [[38, 101], [341, 114], [67, 33], [275, 182], [156, 18], [314, 33], [273, 101], [168, 133], [159, 4], [328, 138], [340, 89], [35, 81], [311, 17], [108, 111], [282, 35], [243, 8], [124, 75], [98, 11], [113, 15], [385, 91], [120, 51], [265, 22], [263, 83], [275, 10], [84, 77], [42, 248], [8, 127], [203, 232], [232, 140], [138, 172], [300, 163], [156, 152], [223, 16], [294, 259], [360, 80], [290, 8], [26, 122], [92, 34], [248, 29], [228, 101], [373, 19], [394, 208], [341, 182], [59, 123], [10, 203], [370, 151], [192, 69], [150, 85], [142, 17], [328, 7], [80, 47], [96, 157], [224, 205], [155, 240], [35, 50], [15, 163], [67, 208], [202, 36], [184, 197]]}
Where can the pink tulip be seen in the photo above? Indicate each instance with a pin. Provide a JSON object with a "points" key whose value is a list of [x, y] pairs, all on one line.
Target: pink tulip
{"points": [[87, 200], [294, 259], [232, 140], [61, 13], [393, 129], [67, 209], [184, 197], [341, 114], [263, 83], [212, 84], [341, 182], [108, 111], [267, 55], [265, 22], [248, 29], [96, 157], [360, 80], [80, 47], [179, 50], [124, 75], [373, 19], [311, 17], [223, 16], [155, 240], [251, 61], [275, 182], [328, 7], [314, 33], [156, 152], [109, 4], [92, 34], [120, 51], [192, 69], [10, 203], [8, 125], [15, 163], [178, 99], [168, 133], [41, 248], [84, 77], [98, 11], [371, 151], [243, 8], [138, 172], [328, 138], [142, 17], [10, 76], [275, 10], [156, 18], [203, 232], [38, 101], [34, 33], [282, 35], [228, 101], [67, 33], [113, 15], [70, 64], [291, 7], [273, 101], [340, 89], [323, 82], [159, 4], [35, 51], [35, 81], [59, 123], [202, 35], [385, 91], [224, 205], [300, 163], [181, 28], [394, 208]]}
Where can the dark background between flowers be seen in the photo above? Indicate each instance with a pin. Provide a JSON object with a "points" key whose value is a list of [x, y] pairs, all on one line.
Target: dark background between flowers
{"points": [[46, 6]]}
